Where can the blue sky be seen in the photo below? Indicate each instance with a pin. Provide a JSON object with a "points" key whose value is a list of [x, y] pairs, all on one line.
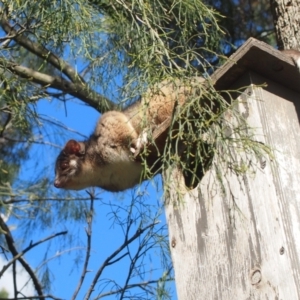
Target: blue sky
{"points": [[107, 238], [64, 270]]}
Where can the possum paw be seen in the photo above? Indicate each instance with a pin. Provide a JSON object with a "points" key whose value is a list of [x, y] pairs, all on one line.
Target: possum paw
{"points": [[142, 139]]}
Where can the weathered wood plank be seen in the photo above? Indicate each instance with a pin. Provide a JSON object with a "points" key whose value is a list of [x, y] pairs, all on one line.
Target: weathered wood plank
{"points": [[245, 245]]}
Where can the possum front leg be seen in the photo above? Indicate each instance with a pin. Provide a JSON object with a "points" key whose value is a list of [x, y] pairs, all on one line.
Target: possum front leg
{"points": [[140, 142]]}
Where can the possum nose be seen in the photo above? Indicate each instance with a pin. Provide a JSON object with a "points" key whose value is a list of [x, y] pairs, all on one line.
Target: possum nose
{"points": [[57, 183]]}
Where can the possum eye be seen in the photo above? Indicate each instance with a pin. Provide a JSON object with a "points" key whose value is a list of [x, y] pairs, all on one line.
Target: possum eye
{"points": [[64, 165]]}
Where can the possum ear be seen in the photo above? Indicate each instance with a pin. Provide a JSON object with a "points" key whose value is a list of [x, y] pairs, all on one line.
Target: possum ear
{"points": [[74, 147]]}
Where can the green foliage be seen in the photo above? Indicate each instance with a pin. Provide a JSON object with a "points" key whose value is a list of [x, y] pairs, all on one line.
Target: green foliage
{"points": [[156, 39], [111, 51], [164, 36], [3, 294], [14, 128]]}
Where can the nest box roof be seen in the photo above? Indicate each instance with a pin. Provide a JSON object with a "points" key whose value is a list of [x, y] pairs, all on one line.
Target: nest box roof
{"points": [[261, 58], [255, 56]]}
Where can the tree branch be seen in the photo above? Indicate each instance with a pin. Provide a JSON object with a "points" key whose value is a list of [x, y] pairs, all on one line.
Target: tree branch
{"points": [[131, 286], [18, 256], [76, 87], [78, 90], [115, 253], [11, 246], [133, 261], [40, 51]]}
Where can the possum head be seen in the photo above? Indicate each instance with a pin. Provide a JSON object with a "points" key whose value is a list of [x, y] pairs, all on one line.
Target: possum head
{"points": [[68, 166]]}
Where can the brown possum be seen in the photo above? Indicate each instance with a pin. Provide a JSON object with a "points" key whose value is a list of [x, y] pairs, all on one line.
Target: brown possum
{"points": [[106, 159]]}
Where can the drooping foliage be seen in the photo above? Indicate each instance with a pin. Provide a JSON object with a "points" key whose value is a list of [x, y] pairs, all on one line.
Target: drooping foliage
{"points": [[104, 54]]}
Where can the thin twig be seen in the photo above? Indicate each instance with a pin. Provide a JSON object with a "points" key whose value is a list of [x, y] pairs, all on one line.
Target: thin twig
{"points": [[55, 122], [57, 254], [31, 141], [117, 259], [11, 201], [133, 261], [33, 297], [130, 286], [14, 274], [89, 220], [32, 245], [138, 233]]}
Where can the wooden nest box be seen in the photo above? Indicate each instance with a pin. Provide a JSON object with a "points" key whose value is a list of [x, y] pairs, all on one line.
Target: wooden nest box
{"points": [[245, 243]]}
